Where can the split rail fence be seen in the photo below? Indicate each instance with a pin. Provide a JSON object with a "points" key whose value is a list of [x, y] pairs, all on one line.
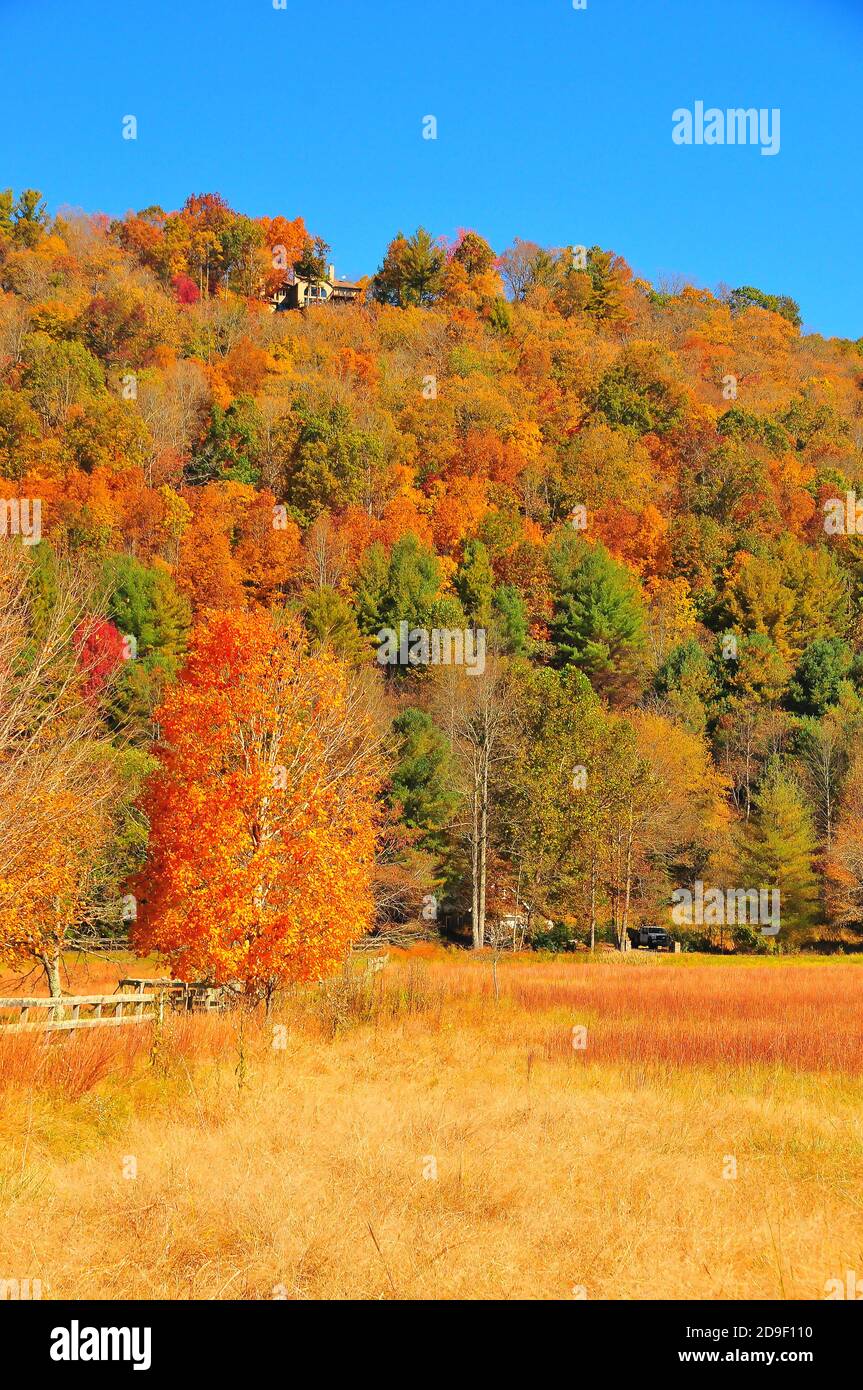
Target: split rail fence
{"points": [[79, 1011]]}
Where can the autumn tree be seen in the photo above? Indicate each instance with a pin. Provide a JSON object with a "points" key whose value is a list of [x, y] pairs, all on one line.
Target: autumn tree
{"points": [[792, 594], [518, 266], [669, 817], [261, 810], [58, 775], [844, 860], [558, 795], [474, 582]]}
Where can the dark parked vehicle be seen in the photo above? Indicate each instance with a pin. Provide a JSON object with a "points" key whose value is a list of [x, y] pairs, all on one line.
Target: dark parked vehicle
{"points": [[654, 938]]}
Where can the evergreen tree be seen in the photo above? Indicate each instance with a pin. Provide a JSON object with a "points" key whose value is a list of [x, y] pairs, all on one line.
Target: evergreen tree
{"points": [[412, 272], [311, 264], [598, 623], [474, 583], [510, 619], [817, 681], [330, 620], [230, 448], [330, 461], [687, 682], [777, 850], [144, 603], [421, 782], [370, 587], [413, 584]]}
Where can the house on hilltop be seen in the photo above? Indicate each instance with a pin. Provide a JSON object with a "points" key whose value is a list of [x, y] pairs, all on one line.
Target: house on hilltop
{"points": [[300, 293]]}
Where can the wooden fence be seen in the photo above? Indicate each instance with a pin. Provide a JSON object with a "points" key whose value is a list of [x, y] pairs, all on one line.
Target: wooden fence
{"points": [[80, 1011]]}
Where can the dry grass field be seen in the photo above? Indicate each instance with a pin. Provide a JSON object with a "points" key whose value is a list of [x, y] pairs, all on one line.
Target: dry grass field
{"points": [[409, 1133]]}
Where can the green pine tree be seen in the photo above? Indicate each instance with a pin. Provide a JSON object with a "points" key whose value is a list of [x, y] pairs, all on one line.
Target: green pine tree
{"points": [[598, 623], [421, 780], [510, 619], [330, 619], [474, 583], [777, 850], [144, 603]]}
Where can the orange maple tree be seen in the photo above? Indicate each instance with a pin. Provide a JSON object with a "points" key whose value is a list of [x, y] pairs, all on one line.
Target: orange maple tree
{"points": [[45, 890], [262, 811]]}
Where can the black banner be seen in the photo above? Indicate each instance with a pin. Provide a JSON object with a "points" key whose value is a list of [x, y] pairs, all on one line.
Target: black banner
{"points": [[145, 1339]]}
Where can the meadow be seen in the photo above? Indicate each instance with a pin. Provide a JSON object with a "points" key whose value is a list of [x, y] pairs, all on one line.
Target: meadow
{"points": [[615, 1128]]}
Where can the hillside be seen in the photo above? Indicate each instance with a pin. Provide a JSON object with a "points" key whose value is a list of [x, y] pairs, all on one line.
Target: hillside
{"points": [[632, 505]]}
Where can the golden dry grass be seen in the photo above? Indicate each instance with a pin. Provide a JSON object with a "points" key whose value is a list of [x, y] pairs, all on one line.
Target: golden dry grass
{"points": [[307, 1171]]}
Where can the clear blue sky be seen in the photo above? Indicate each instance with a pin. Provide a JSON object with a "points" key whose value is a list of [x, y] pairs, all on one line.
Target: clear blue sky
{"points": [[554, 125]]}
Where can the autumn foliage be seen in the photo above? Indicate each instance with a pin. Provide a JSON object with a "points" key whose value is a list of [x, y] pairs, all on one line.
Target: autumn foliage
{"points": [[262, 810], [622, 486]]}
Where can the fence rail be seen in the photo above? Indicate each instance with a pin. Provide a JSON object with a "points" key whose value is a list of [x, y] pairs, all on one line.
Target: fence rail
{"points": [[97, 943], [80, 1011]]}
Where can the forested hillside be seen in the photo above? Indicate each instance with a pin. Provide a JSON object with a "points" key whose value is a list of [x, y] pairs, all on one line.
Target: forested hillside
{"points": [[630, 503]]}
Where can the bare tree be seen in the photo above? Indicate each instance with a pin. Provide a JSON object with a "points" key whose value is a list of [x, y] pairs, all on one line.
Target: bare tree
{"points": [[325, 554], [478, 712], [517, 265], [844, 859], [56, 772], [172, 407]]}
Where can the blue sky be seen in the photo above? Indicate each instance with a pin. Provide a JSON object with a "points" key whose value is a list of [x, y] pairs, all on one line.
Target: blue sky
{"points": [[553, 124]]}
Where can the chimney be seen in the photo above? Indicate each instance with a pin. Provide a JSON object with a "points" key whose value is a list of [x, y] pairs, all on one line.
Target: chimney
{"points": [[331, 274]]}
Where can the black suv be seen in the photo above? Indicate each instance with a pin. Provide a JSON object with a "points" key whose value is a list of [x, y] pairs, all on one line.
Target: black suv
{"points": [[654, 938]]}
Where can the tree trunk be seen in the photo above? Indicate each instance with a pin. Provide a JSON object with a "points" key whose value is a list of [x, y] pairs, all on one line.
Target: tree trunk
{"points": [[483, 853], [474, 866], [624, 924], [616, 889], [50, 963], [828, 808]]}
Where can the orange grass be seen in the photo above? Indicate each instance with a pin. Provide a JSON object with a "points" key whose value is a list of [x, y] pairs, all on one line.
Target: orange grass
{"points": [[418, 1138], [82, 972]]}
